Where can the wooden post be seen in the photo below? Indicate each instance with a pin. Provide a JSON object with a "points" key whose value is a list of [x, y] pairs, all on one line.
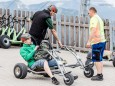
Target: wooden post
{"points": [[62, 29]]}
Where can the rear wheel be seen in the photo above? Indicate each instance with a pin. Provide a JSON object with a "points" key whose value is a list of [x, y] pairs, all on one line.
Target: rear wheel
{"points": [[20, 71], [114, 62], [5, 42]]}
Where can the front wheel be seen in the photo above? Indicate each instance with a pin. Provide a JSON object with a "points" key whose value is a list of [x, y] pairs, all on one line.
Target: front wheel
{"points": [[114, 62], [70, 79], [89, 72]]}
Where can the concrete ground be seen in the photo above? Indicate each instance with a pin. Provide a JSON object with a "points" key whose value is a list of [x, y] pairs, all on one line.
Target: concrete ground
{"points": [[9, 57]]}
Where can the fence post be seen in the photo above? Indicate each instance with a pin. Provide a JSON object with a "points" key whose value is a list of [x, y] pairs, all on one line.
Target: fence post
{"points": [[74, 32], [65, 31], [111, 35], [79, 44], [57, 28]]}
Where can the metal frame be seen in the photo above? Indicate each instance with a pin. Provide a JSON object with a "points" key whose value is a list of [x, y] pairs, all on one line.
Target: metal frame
{"points": [[61, 68], [78, 59]]}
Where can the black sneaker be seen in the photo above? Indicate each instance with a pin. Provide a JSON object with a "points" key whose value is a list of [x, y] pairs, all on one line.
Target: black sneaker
{"points": [[55, 81], [98, 77], [75, 77]]}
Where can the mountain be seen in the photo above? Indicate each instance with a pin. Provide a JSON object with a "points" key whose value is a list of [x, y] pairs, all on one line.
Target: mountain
{"points": [[61, 9], [66, 7], [13, 5]]}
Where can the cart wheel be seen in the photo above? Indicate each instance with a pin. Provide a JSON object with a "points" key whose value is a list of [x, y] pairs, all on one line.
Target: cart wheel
{"points": [[88, 72], [88, 61], [114, 62], [46, 75], [70, 78], [20, 70], [5, 42]]}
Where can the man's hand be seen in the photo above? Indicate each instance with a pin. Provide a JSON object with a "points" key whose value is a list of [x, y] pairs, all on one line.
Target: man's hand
{"points": [[60, 44], [56, 37], [28, 19], [36, 47], [88, 45]]}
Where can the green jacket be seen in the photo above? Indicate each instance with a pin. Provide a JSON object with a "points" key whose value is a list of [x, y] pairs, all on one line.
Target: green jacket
{"points": [[27, 52]]}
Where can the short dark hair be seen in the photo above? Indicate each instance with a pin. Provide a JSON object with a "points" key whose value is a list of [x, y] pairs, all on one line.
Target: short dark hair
{"points": [[94, 9]]}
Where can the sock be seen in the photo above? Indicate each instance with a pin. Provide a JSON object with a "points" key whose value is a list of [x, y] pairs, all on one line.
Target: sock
{"points": [[53, 78], [100, 74]]}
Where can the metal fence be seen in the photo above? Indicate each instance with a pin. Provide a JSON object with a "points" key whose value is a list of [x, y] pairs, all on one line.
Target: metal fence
{"points": [[72, 30]]}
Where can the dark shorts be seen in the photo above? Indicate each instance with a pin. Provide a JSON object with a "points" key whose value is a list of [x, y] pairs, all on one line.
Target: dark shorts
{"points": [[97, 51], [40, 63]]}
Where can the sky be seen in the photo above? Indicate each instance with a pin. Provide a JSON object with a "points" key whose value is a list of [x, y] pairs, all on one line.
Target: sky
{"points": [[27, 2]]}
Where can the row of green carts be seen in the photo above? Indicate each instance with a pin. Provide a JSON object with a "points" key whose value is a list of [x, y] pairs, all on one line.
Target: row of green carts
{"points": [[8, 34]]}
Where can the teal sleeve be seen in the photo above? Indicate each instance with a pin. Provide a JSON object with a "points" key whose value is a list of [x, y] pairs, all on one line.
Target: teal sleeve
{"points": [[27, 56], [49, 23]]}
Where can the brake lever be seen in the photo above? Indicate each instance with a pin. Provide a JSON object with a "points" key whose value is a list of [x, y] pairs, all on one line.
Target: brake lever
{"points": [[9, 17], [3, 17]]}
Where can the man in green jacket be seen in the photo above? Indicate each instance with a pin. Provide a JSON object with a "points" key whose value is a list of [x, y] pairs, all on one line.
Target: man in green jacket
{"points": [[28, 51]]}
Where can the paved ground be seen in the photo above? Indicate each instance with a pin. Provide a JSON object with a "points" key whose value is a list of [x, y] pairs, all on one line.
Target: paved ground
{"points": [[9, 57]]}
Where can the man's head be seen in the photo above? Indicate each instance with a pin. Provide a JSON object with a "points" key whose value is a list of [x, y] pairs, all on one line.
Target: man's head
{"points": [[53, 9], [26, 38], [92, 11]]}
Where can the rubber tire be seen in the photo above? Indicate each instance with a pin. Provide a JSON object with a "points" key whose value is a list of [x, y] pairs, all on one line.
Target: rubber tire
{"points": [[114, 62], [23, 70], [91, 72], [88, 61], [2, 43], [71, 79]]}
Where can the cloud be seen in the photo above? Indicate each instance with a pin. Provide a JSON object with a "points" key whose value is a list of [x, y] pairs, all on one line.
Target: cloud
{"points": [[39, 1], [59, 4], [4, 0], [112, 2], [28, 2]]}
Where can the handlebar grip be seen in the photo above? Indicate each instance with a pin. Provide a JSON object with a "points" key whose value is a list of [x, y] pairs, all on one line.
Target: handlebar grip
{"points": [[9, 17], [14, 18], [3, 17], [25, 18]]}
